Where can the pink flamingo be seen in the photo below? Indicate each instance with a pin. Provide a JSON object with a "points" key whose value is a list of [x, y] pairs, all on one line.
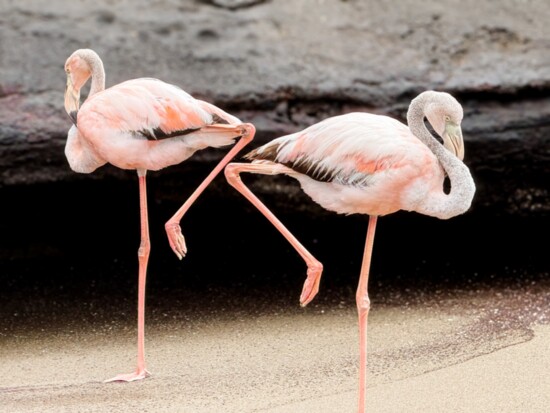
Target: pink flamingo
{"points": [[143, 124], [369, 164]]}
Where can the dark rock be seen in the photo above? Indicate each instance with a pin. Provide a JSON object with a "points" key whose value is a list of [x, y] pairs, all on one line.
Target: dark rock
{"points": [[286, 65]]}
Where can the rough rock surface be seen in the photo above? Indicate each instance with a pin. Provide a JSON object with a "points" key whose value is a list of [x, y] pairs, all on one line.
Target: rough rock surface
{"points": [[285, 65]]}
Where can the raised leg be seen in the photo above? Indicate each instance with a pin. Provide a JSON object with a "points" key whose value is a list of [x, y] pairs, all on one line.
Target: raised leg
{"points": [[363, 306], [143, 258], [173, 229], [314, 267]]}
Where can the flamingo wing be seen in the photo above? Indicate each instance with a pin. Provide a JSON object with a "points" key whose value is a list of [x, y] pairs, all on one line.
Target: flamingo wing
{"points": [[348, 149], [152, 109]]}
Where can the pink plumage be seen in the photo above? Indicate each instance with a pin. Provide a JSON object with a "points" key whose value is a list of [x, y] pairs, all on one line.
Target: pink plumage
{"points": [[143, 124], [357, 163]]}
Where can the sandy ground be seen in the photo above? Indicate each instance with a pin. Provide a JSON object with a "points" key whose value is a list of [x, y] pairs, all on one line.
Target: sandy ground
{"points": [[422, 358], [455, 326]]}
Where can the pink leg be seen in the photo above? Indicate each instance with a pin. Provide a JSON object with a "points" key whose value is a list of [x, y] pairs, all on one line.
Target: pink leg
{"points": [[173, 229], [143, 257], [315, 268], [363, 306]]}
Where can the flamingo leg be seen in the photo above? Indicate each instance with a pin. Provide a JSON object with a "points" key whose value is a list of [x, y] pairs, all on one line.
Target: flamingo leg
{"points": [[363, 306], [143, 258], [172, 226], [315, 268]]}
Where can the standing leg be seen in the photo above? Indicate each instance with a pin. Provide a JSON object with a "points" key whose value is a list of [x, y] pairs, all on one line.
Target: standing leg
{"points": [[363, 306], [143, 258], [173, 229], [314, 267]]}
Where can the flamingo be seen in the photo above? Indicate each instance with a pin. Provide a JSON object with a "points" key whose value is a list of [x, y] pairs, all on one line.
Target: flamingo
{"points": [[143, 124], [368, 164]]}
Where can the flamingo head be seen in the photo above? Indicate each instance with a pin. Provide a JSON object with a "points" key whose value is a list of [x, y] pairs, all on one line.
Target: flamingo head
{"points": [[445, 115]]}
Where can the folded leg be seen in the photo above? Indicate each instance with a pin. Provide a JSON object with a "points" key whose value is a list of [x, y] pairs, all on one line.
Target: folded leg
{"points": [[173, 229], [315, 268]]}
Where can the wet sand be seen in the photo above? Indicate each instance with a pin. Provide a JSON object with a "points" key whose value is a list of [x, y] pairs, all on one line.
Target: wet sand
{"points": [[422, 358]]}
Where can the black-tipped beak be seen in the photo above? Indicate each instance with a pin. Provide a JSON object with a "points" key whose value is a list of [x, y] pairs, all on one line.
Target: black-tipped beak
{"points": [[72, 100]]}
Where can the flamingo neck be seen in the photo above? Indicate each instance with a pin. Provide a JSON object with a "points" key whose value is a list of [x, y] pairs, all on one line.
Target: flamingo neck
{"points": [[98, 77], [96, 69], [459, 199]]}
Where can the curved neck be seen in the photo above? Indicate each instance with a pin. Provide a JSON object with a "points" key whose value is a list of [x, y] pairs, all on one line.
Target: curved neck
{"points": [[459, 199], [98, 74]]}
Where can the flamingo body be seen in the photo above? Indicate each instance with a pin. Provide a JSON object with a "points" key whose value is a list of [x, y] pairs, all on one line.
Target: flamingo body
{"points": [[142, 124], [358, 163]]}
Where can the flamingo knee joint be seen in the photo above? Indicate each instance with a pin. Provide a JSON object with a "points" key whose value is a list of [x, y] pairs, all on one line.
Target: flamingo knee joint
{"points": [[232, 173]]}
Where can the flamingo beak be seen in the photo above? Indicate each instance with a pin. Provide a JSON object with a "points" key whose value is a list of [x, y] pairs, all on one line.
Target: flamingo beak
{"points": [[72, 99], [453, 140]]}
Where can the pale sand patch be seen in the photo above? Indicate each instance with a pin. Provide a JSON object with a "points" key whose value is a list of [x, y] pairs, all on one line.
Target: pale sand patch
{"points": [[514, 379], [419, 360]]}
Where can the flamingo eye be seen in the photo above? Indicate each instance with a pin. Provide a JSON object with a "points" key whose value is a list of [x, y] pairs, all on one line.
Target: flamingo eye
{"points": [[447, 118]]}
